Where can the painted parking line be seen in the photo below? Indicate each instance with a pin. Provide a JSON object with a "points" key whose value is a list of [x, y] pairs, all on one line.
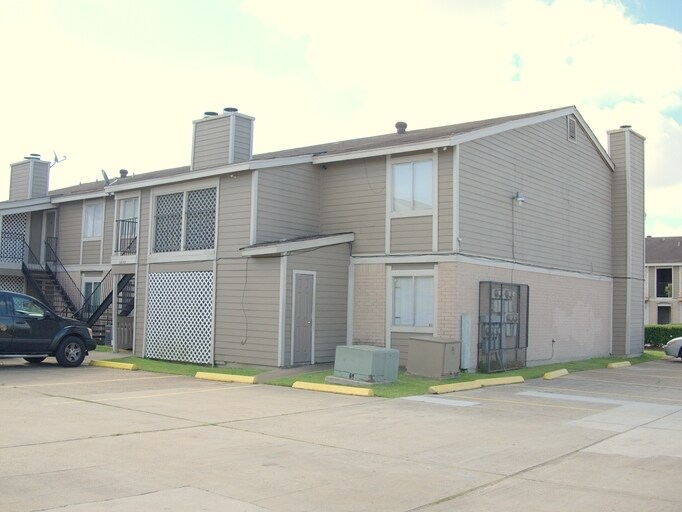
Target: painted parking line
{"points": [[607, 393], [91, 382], [441, 401], [526, 402], [583, 378], [625, 415]]}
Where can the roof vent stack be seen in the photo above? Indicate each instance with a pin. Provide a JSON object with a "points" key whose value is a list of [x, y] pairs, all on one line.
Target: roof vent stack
{"points": [[401, 127]]}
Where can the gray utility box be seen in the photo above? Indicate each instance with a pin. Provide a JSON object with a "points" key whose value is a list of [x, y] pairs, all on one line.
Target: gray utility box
{"points": [[437, 358], [365, 363]]}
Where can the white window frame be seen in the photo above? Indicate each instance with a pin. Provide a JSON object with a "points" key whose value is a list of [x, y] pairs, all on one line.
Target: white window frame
{"points": [[391, 274], [117, 216], [672, 283], [181, 255], [87, 205], [390, 163], [93, 281]]}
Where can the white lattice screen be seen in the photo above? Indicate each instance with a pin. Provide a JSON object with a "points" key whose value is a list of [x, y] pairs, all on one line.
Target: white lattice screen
{"points": [[12, 283], [180, 316]]}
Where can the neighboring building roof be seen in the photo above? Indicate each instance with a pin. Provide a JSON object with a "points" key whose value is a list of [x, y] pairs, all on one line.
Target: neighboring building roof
{"points": [[667, 249]]}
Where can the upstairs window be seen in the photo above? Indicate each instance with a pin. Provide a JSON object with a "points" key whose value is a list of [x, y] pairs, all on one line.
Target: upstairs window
{"points": [[412, 187], [93, 220], [664, 282], [185, 221]]}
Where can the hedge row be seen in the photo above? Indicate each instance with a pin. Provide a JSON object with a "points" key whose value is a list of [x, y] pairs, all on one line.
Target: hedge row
{"points": [[659, 335]]}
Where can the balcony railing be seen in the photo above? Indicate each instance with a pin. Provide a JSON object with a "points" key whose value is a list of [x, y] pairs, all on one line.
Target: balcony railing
{"points": [[126, 239]]}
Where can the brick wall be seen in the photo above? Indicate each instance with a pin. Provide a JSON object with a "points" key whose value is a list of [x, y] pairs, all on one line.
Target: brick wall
{"points": [[369, 314]]}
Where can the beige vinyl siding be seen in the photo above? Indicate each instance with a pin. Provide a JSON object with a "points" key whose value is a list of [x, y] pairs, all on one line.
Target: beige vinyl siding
{"points": [[354, 199], [91, 252], [109, 229], [211, 143], [36, 232], [288, 203], [242, 138], [144, 225], [247, 311], [620, 224], [70, 227], [41, 173], [18, 183], [140, 312], [445, 200], [412, 234], [566, 220], [234, 214], [330, 265]]}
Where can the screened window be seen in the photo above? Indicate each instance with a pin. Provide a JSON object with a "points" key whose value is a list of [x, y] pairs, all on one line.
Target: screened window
{"points": [[412, 186], [93, 216], [413, 301], [197, 232]]}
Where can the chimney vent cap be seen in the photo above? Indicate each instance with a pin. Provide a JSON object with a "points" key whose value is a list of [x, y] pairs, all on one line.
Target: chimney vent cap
{"points": [[625, 126], [228, 110], [32, 156], [210, 114], [123, 173], [401, 126]]}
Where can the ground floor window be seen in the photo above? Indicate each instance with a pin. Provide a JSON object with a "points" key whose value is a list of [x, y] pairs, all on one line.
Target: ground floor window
{"points": [[412, 296], [663, 315]]}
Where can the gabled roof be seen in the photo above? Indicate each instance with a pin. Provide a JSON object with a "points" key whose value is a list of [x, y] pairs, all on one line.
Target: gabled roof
{"points": [[664, 250], [392, 143]]}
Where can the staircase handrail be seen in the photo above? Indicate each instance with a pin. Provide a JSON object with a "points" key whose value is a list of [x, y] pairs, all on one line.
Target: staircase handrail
{"points": [[63, 277]]}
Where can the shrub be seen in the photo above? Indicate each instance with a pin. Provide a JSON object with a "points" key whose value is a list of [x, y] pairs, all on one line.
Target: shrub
{"points": [[659, 335]]}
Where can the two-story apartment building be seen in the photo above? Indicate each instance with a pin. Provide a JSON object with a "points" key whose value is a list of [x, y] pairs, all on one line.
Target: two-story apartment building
{"points": [[521, 237], [663, 277]]}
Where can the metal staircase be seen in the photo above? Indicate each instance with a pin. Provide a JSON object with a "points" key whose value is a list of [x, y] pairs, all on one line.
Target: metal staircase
{"points": [[53, 284]]}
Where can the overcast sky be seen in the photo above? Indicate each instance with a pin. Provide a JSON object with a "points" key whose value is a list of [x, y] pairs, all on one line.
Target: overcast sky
{"points": [[116, 84]]}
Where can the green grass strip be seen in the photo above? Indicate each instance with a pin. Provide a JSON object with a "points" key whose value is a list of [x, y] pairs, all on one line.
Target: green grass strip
{"points": [[175, 368], [410, 385]]}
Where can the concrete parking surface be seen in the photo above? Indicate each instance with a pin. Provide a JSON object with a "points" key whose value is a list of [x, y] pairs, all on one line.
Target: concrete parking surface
{"points": [[97, 439]]}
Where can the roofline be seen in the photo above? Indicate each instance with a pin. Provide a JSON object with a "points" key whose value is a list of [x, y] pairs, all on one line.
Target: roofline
{"points": [[368, 153], [294, 245], [469, 136], [251, 165]]}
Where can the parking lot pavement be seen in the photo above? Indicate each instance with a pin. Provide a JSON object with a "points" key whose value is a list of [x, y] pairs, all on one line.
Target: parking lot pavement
{"points": [[91, 439]]}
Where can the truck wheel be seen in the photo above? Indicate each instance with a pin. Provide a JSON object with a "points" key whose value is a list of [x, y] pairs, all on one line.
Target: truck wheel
{"points": [[70, 352]]}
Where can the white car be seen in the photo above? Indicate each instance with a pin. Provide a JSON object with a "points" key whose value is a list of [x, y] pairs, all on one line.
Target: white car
{"points": [[674, 347]]}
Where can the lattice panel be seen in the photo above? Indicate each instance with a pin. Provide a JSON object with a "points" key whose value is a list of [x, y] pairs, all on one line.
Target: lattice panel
{"points": [[200, 229], [180, 316], [13, 234], [12, 283], [168, 232]]}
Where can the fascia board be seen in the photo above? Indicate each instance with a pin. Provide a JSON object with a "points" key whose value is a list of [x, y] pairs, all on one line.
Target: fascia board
{"points": [[285, 247], [386, 150], [32, 205], [78, 197]]}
